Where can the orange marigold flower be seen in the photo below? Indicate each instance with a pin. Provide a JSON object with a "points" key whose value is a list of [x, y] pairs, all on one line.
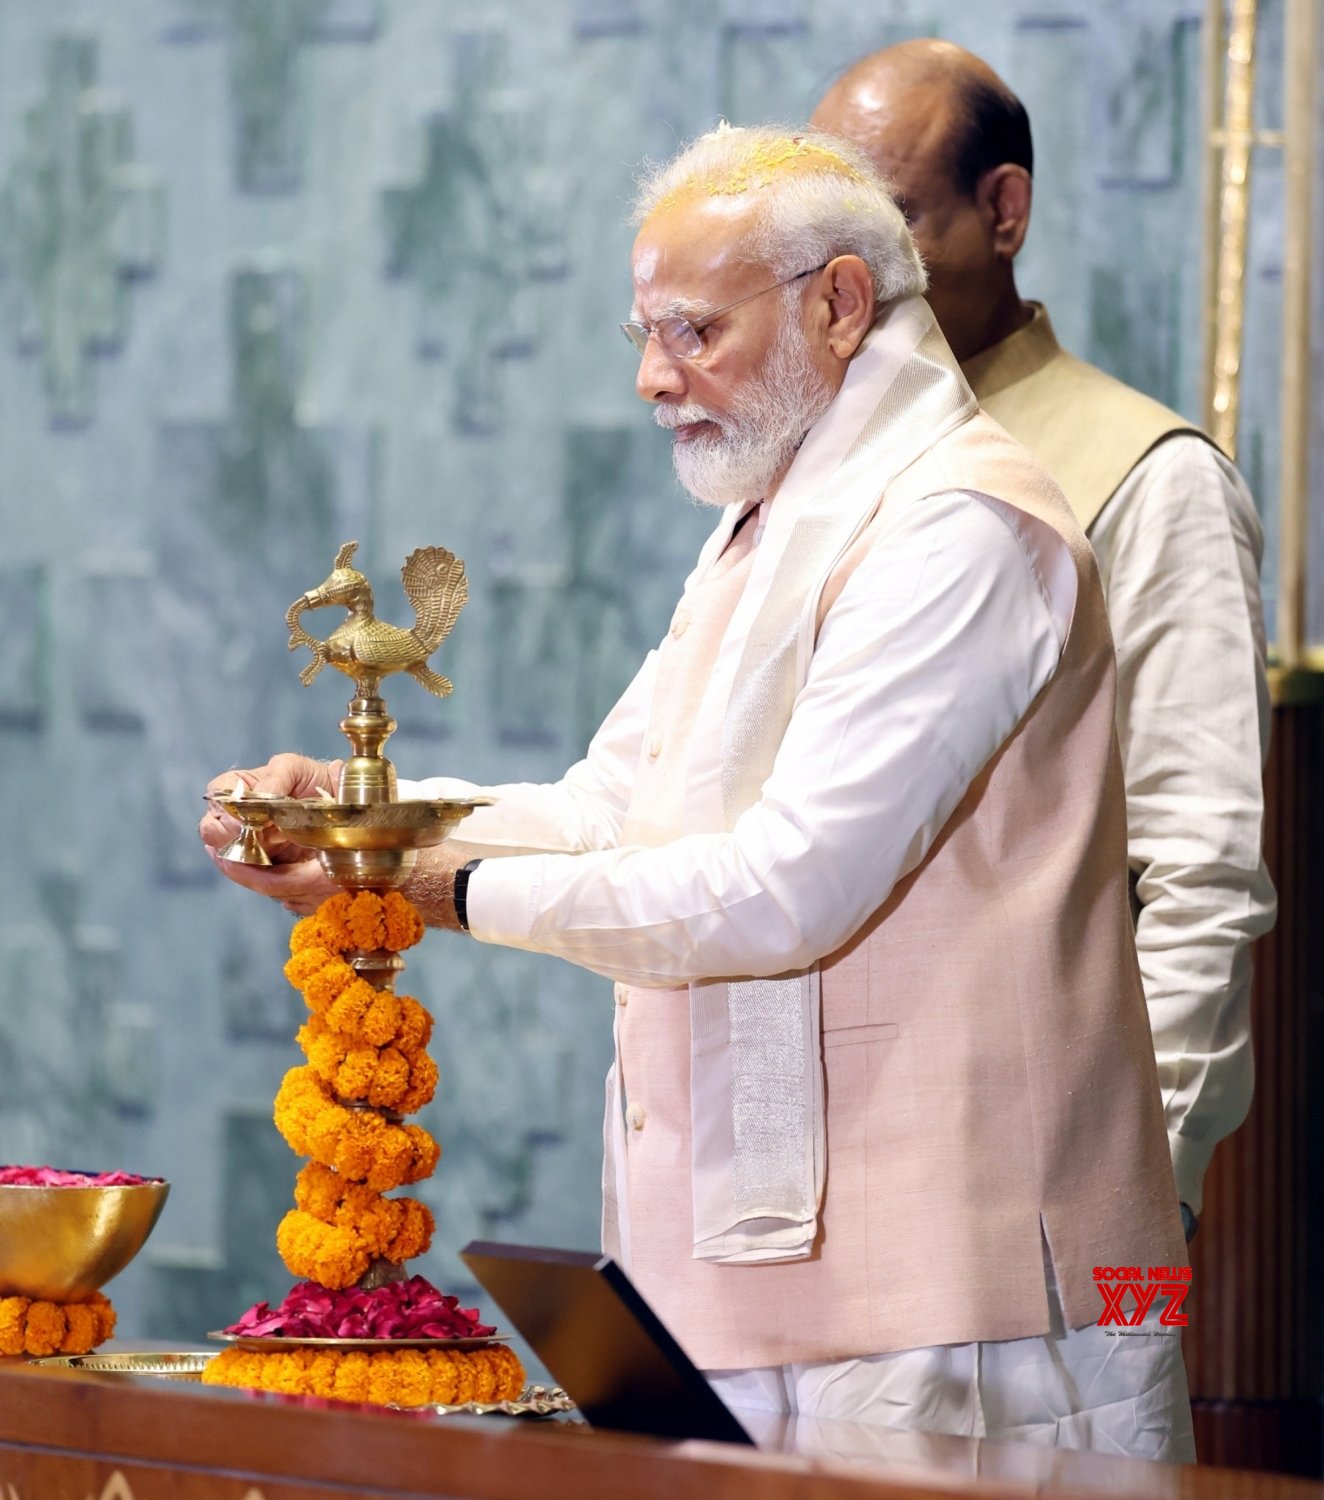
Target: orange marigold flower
{"points": [[351, 1377], [80, 1334], [422, 1085], [306, 933], [354, 1077], [404, 926], [105, 1315], [317, 1190], [364, 921], [445, 1376], [415, 1232], [314, 1251], [415, 1026], [389, 1081], [332, 918], [324, 989], [325, 1054], [347, 1011], [427, 1152], [381, 1020], [464, 1385], [45, 1328], [306, 962], [413, 1379], [13, 1320]]}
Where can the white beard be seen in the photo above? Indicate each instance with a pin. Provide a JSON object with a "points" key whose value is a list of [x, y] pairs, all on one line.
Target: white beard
{"points": [[757, 439]]}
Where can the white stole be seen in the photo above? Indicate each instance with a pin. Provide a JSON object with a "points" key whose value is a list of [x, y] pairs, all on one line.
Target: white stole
{"points": [[757, 1196], [756, 1081]]}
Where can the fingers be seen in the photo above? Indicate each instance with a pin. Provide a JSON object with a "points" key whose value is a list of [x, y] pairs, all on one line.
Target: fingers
{"points": [[300, 888], [231, 783], [283, 775]]}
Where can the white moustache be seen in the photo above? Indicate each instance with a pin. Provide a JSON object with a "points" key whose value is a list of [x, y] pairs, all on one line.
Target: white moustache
{"points": [[682, 416]]}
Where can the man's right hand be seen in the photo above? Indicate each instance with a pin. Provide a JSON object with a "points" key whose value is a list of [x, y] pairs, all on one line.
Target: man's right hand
{"points": [[297, 880]]}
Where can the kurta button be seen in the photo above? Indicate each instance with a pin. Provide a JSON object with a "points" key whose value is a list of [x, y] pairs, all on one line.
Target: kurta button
{"points": [[619, 991], [654, 747], [680, 622], [635, 1115]]}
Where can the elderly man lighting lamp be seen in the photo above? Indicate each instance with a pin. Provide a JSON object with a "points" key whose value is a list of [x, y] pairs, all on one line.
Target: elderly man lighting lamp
{"points": [[852, 846]]}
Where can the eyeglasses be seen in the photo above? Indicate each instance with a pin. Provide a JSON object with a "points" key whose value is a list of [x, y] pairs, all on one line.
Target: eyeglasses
{"points": [[681, 337]]}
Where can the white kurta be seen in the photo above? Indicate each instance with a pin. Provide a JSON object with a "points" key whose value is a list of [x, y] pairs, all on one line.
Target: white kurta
{"points": [[960, 617], [924, 666], [1179, 546]]}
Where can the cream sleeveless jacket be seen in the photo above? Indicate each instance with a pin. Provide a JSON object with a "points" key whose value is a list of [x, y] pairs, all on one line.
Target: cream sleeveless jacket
{"points": [[1088, 429], [988, 1071]]}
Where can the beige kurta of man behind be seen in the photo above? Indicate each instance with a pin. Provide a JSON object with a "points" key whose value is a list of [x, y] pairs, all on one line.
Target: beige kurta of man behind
{"points": [[989, 1073]]}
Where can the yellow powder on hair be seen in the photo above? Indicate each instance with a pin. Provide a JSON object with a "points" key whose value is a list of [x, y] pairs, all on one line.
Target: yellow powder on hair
{"points": [[758, 168]]}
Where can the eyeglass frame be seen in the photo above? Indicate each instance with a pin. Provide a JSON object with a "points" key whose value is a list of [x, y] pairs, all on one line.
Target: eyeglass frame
{"points": [[697, 326]]}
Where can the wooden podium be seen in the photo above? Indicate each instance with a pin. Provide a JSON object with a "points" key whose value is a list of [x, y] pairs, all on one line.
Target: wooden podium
{"points": [[67, 1435]]}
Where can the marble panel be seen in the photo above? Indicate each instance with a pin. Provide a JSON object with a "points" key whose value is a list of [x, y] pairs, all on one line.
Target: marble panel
{"points": [[115, 662], [24, 645], [252, 508], [78, 217], [1136, 82], [265, 40]]}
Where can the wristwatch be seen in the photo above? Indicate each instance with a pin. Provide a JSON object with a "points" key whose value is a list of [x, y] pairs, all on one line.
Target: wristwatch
{"points": [[461, 895]]}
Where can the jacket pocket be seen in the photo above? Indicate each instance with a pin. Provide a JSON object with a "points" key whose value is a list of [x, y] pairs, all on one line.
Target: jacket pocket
{"points": [[849, 1036]]}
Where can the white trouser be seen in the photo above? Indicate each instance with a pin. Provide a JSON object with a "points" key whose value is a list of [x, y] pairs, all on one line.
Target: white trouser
{"points": [[1104, 1390]]}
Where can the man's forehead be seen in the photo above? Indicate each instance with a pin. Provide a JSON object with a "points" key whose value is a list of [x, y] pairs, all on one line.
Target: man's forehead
{"points": [[691, 249]]}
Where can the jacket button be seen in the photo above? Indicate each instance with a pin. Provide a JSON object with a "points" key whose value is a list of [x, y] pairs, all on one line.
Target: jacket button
{"points": [[680, 622], [654, 747], [635, 1116], [621, 997]]}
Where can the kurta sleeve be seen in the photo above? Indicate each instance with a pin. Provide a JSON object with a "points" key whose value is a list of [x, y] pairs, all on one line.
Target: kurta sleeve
{"points": [[924, 665], [1179, 552], [581, 811]]}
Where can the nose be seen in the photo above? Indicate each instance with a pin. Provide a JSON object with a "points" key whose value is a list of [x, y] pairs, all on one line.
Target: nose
{"points": [[659, 375]]}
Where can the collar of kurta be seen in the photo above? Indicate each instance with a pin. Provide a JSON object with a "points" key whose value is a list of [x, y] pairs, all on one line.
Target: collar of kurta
{"points": [[1086, 428]]}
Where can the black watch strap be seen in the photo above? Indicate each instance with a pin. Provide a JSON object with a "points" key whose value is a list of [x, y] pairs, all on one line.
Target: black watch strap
{"points": [[461, 896]]}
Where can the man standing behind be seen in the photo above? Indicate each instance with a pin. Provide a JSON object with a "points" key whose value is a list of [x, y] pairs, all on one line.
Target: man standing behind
{"points": [[1178, 542], [852, 846]]}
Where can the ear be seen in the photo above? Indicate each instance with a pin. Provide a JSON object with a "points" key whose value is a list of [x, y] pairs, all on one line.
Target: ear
{"points": [[1003, 194], [847, 293]]}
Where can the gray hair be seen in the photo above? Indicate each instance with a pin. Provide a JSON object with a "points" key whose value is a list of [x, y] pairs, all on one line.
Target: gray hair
{"points": [[833, 203]]}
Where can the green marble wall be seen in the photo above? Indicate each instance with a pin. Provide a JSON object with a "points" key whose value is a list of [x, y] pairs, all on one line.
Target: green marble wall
{"points": [[277, 273]]}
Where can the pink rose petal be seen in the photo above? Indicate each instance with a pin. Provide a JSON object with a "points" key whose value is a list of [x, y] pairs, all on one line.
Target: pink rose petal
{"points": [[55, 1177], [400, 1310]]}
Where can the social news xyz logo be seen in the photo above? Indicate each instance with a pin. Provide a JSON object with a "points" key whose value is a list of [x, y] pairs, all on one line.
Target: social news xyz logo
{"points": [[1169, 1282]]}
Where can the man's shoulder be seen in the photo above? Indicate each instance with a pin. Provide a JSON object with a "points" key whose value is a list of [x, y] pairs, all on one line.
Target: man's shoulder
{"points": [[979, 456], [1089, 428]]}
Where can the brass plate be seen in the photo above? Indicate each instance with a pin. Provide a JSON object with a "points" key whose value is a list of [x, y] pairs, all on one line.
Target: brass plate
{"points": [[321, 824], [275, 1342], [534, 1401], [188, 1365]]}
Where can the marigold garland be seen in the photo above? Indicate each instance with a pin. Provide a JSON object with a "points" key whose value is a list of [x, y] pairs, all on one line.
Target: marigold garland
{"points": [[339, 1228], [41, 1328], [396, 1377], [360, 1145], [364, 1046]]}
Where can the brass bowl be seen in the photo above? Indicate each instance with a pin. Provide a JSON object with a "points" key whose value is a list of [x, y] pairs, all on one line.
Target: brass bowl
{"points": [[369, 844], [60, 1244]]}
